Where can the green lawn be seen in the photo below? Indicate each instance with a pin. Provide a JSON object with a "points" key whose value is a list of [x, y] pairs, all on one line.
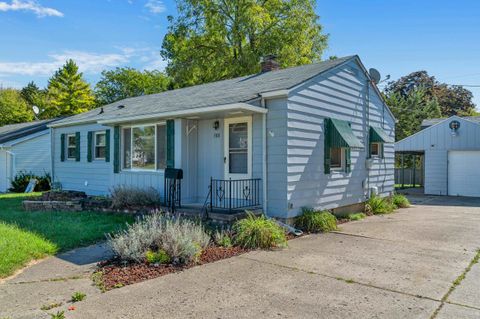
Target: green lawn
{"points": [[25, 236]]}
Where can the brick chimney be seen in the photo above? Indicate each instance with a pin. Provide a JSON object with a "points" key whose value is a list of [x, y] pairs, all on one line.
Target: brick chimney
{"points": [[269, 63]]}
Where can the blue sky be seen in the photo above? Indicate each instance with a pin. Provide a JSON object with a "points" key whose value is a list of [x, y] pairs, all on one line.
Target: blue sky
{"points": [[396, 37]]}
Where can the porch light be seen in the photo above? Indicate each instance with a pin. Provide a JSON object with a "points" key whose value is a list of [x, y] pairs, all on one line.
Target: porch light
{"points": [[216, 125]]}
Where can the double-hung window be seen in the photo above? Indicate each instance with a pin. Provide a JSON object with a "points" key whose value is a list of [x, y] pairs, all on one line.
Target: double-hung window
{"points": [[144, 147], [337, 158], [71, 146], [100, 145], [376, 150]]}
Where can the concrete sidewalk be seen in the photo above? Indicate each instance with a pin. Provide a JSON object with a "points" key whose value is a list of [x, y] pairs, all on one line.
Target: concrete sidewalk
{"points": [[401, 265]]}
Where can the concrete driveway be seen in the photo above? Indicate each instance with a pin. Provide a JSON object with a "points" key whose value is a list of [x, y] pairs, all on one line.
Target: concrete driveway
{"points": [[416, 263]]}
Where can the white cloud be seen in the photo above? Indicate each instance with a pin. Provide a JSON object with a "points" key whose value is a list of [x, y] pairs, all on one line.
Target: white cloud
{"points": [[88, 62], [155, 6], [31, 6]]}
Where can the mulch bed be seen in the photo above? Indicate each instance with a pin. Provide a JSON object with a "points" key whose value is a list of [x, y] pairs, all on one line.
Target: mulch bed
{"points": [[115, 275]]}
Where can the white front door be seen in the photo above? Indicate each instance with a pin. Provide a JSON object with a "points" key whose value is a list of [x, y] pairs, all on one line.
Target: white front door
{"points": [[463, 175], [238, 148]]}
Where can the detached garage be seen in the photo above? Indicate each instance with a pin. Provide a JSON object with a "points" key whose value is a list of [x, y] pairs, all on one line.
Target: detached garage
{"points": [[450, 152]]}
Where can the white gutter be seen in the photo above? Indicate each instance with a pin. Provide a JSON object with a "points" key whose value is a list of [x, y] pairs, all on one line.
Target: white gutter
{"points": [[195, 111]]}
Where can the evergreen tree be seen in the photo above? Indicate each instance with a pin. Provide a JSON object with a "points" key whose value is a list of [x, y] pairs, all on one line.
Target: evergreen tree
{"points": [[68, 92]]}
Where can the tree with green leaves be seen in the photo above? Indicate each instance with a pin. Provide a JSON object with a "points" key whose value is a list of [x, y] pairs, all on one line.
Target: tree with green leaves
{"points": [[122, 83], [68, 93], [13, 108], [452, 99], [221, 39], [34, 96], [410, 110]]}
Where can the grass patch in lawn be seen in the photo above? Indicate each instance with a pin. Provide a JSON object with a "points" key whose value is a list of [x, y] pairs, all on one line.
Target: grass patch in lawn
{"points": [[25, 236]]}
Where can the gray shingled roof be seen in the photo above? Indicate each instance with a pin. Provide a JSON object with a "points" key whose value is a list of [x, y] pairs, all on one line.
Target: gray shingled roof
{"points": [[15, 131], [237, 90], [430, 122]]}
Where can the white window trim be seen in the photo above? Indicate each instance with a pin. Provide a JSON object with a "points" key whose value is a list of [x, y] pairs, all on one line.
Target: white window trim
{"points": [[340, 168], [95, 145], [226, 123], [68, 146], [122, 144], [379, 155]]}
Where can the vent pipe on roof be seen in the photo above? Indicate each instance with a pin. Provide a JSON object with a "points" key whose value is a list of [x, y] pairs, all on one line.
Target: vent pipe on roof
{"points": [[269, 63]]}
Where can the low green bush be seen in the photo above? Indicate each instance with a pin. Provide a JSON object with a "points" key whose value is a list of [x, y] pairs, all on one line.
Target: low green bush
{"points": [[356, 216], [21, 180], [223, 238], [400, 201], [78, 296], [314, 221], [58, 315], [158, 257], [258, 232], [378, 205], [133, 197], [182, 240]]}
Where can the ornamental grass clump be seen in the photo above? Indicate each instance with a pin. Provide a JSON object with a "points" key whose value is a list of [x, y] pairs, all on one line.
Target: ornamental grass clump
{"points": [[258, 232], [356, 216], [314, 221], [180, 239], [377, 205], [400, 201], [133, 197]]}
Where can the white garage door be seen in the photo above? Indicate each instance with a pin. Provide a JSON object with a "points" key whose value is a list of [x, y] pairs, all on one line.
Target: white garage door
{"points": [[463, 173]]}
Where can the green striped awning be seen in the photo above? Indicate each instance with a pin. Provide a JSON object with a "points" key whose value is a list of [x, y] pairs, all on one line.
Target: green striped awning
{"points": [[377, 135], [342, 135]]}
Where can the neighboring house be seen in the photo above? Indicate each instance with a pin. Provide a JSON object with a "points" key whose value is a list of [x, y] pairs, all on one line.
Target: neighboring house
{"points": [[24, 147], [450, 148], [316, 135]]}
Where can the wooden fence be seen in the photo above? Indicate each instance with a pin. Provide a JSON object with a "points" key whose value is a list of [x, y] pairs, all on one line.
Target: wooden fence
{"points": [[408, 176]]}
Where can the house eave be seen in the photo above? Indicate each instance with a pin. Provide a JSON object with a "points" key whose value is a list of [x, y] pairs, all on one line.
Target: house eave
{"points": [[244, 107]]}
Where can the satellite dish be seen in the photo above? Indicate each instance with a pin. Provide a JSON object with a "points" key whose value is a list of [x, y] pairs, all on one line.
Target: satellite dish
{"points": [[375, 75], [35, 109]]}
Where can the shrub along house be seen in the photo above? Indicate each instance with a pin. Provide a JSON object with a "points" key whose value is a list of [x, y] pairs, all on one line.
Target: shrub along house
{"points": [[24, 147], [316, 135]]}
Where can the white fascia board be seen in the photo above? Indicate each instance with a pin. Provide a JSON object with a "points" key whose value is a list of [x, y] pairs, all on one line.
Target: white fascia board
{"points": [[56, 125], [274, 94], [196, 111]]}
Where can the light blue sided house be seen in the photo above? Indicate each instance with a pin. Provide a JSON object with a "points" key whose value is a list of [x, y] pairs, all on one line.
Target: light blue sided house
{"points": [[316, 135]]}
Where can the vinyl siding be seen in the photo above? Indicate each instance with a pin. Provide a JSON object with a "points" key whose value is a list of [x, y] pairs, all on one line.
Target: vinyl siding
{"points": [[277, 157], [33, 155], [210, 158], [340, 93], [436, 141], [96, 177]]}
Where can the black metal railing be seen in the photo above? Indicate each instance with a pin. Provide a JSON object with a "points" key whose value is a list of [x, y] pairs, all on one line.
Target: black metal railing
{"points": [[230, 194], [172, 188]]}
